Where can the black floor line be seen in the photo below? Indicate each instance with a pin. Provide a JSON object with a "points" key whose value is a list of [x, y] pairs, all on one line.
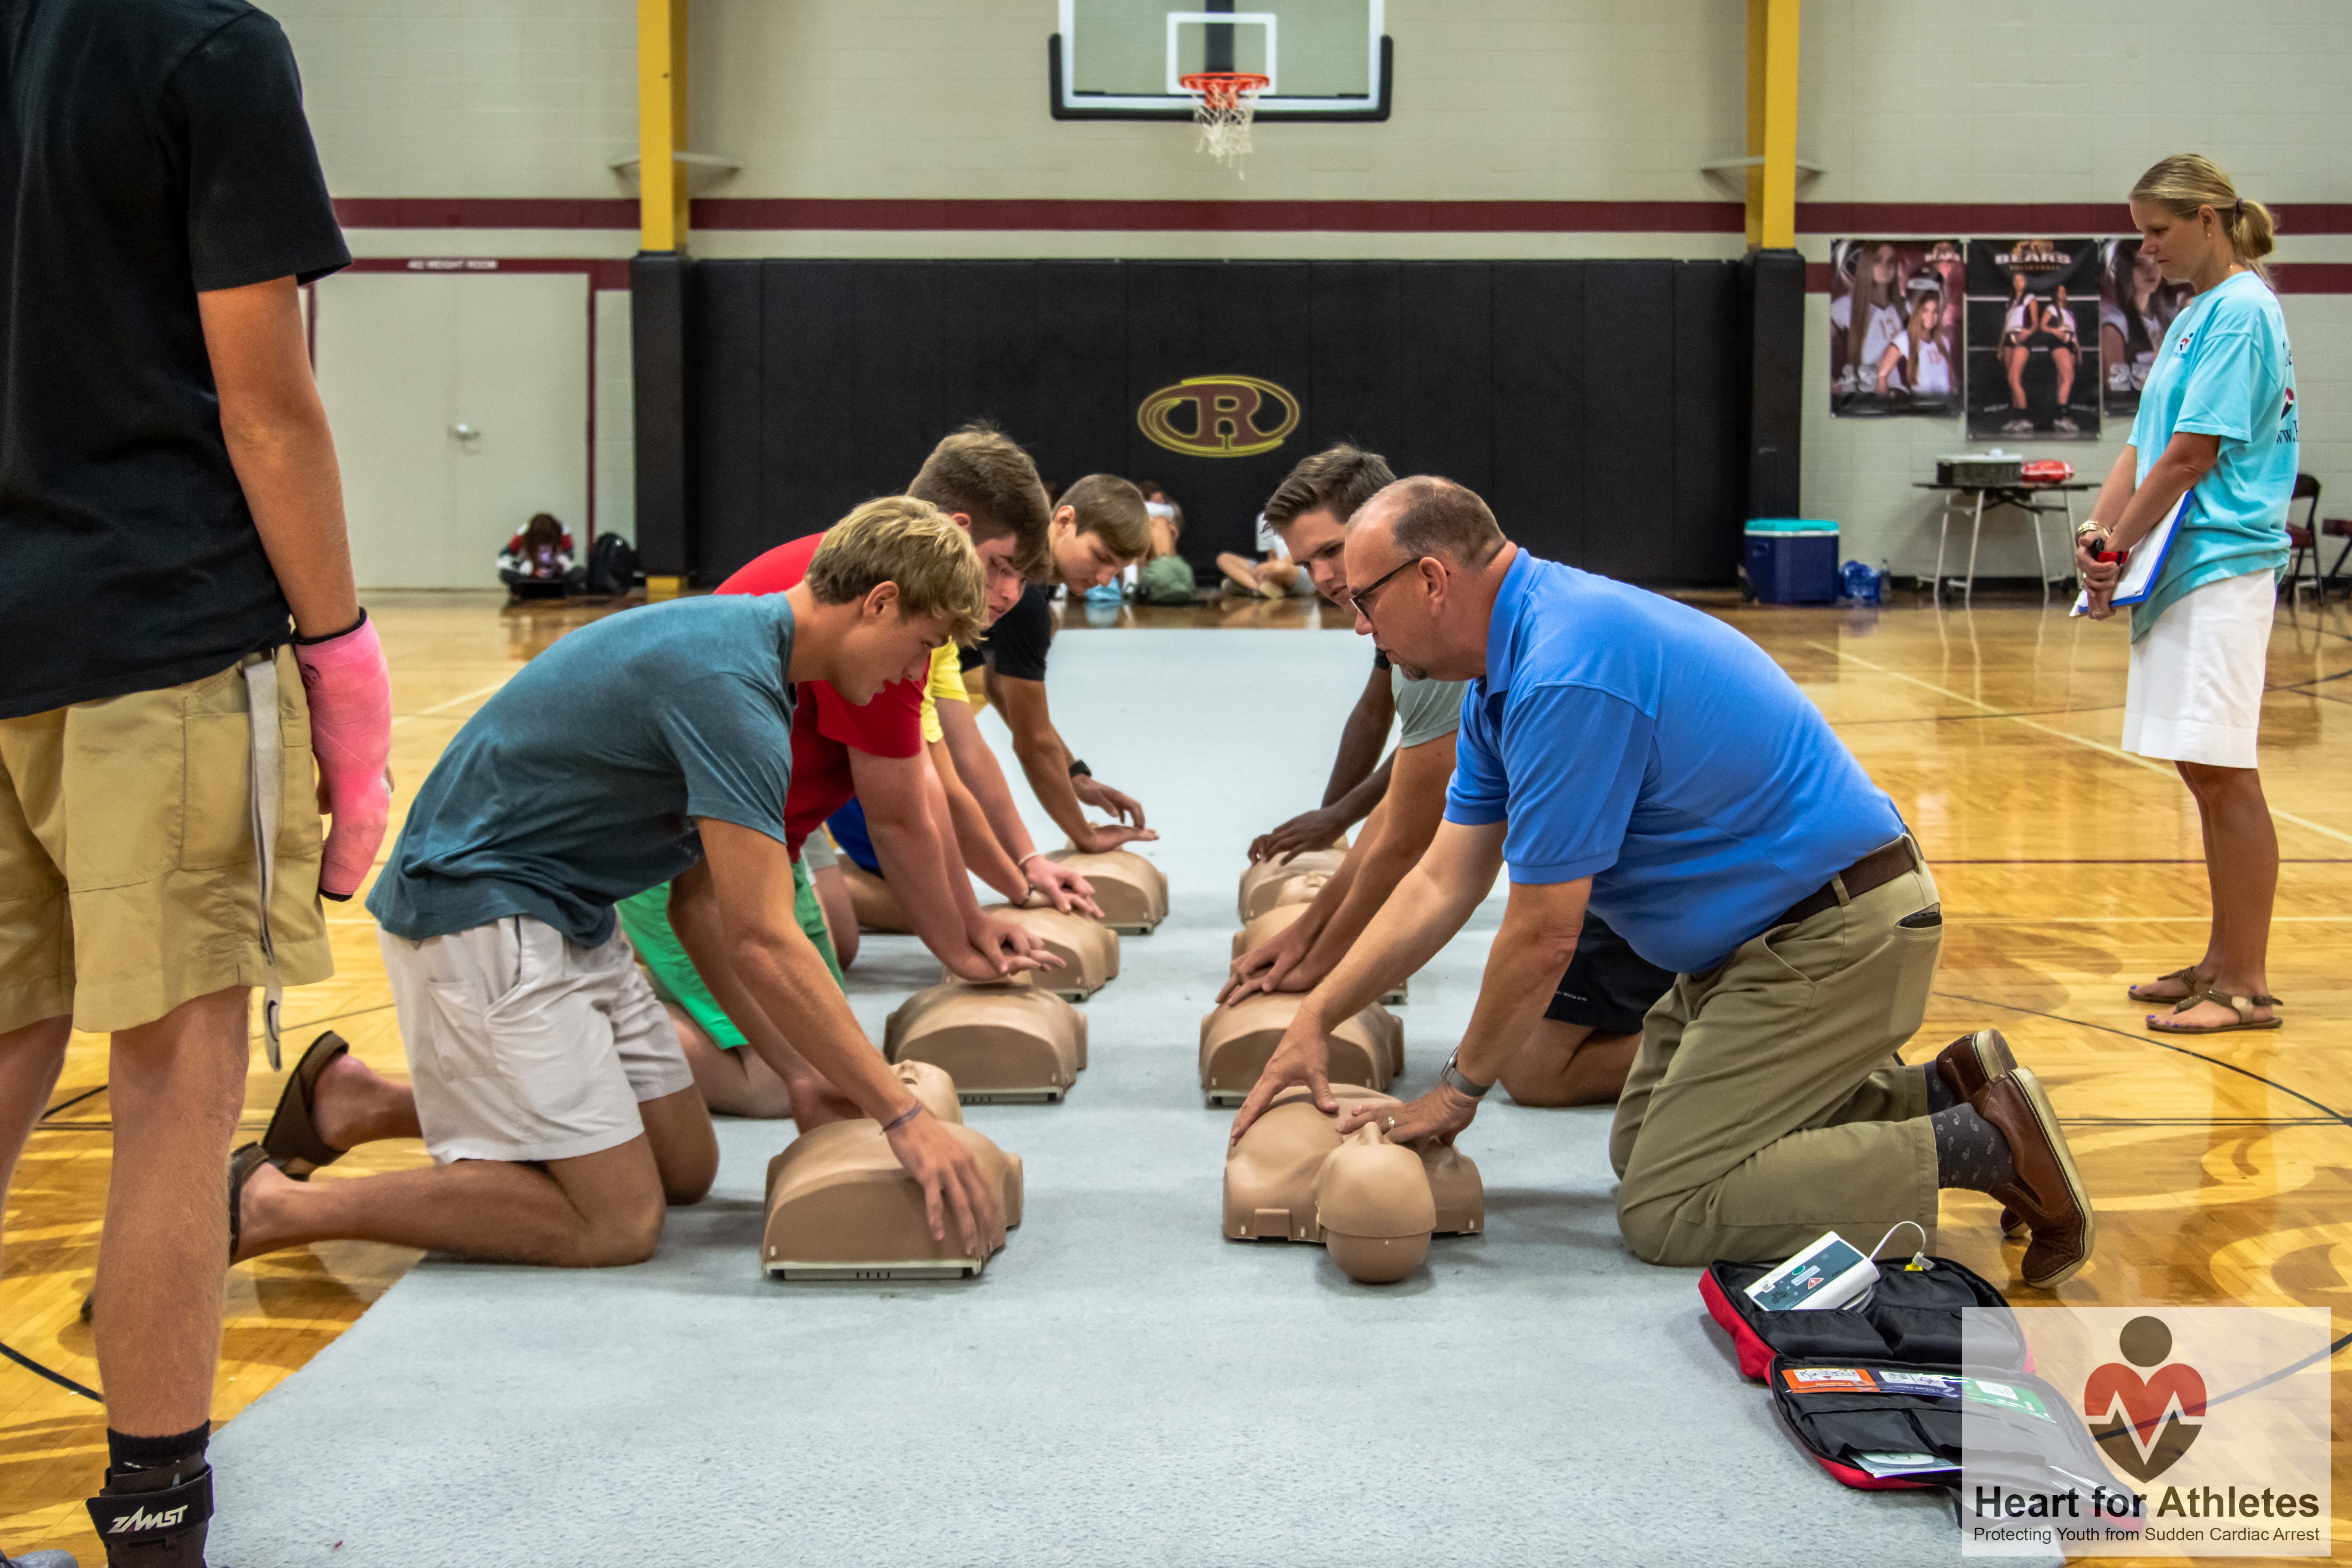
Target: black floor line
{"points": [[60, 1379], [69, 1104], [2328, 1111]]}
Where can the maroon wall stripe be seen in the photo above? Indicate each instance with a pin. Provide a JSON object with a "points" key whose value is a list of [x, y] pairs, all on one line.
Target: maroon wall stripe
{"points": [[484, 211], [2313, 277], [978, 215]]}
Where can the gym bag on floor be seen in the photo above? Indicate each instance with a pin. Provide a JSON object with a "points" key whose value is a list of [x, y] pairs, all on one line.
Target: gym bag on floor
{"points": [[611, 565], [1912, 1319], [1166, 581], [1881, 1426]]}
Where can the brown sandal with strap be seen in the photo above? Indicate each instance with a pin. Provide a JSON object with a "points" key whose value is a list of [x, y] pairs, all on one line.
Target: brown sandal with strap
{"points": [[2187, 978], [2241, 1005], [292, 1143]]}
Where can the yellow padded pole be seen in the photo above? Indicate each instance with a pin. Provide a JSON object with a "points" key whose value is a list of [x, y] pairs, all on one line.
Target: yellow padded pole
{"points": [[1772, 67], [661, 125], [1757, 25]]}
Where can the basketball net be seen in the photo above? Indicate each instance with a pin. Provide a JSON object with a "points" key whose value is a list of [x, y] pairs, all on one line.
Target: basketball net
{"points": [[1224, 103]]}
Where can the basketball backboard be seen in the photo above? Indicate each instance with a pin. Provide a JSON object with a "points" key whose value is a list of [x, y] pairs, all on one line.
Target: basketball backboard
{"points": [[1120, 60]]}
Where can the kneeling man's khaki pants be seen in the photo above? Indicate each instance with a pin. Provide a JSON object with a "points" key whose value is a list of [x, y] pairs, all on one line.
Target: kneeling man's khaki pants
{"points": [[1763, 1108]]}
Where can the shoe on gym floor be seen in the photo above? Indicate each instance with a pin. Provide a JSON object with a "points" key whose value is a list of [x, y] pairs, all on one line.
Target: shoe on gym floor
{"points": [[1969, 1063], [1972, 1061], [51, 1559], [2048, 1191]]}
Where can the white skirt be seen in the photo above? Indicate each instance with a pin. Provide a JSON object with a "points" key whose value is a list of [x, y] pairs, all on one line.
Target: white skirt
{"points": [[2195, 693]]}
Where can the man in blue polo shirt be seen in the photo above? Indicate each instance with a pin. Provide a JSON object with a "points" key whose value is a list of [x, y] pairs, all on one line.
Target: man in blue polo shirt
{"points": [[1622, 750]]}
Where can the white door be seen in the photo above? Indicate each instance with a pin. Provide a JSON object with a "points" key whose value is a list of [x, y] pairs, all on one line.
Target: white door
{"points": [[459, 404]]}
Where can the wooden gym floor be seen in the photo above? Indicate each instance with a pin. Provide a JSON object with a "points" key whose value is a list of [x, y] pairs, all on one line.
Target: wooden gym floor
{"points": [[2068, 870]]}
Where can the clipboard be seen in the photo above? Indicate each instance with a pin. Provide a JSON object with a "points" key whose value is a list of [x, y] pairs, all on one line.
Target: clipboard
{"points": [[2146, 562]]}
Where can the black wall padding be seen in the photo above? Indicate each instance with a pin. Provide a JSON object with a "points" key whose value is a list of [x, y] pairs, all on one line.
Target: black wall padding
{"points": [[1600, 406], [1776, 326], [657, 342]]}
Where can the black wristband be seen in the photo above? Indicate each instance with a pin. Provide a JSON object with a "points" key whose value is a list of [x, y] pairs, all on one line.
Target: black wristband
{"points": [[301, 641], [1079, 769], [1461, 1083]]}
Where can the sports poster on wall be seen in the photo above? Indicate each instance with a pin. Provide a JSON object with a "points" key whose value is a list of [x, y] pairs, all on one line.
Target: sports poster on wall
{"points": [[1894, 326], [2135, 305], [2034, 339]]}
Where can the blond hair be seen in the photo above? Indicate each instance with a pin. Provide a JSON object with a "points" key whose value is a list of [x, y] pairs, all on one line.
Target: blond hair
{"points": [[909, 542], [984, 473], [2188, 181], [1106, 505]]}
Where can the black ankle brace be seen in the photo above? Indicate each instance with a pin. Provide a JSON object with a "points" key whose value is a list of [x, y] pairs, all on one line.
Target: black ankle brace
{"points": [[158, 1499], [135, 1511]]}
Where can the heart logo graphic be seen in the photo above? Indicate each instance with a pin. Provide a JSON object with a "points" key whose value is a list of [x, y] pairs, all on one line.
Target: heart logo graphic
{"points": [[2145, 1423]]}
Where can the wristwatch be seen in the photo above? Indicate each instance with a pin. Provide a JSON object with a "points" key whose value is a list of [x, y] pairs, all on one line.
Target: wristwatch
{"points": [[1450, 1077], [1079, 769]]}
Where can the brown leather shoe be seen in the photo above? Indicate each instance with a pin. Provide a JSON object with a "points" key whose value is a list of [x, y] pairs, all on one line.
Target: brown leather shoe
{"points": [[1973, 1061], [2048, 1191], [1968, 1065]]}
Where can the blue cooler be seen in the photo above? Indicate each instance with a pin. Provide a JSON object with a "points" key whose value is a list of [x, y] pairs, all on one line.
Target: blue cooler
{"points": [[1793, 559]]}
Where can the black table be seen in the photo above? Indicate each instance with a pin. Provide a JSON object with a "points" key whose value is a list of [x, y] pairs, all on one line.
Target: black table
{"points": [[2022, 496]]}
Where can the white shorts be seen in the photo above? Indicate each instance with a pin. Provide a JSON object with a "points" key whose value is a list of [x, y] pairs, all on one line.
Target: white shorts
{"points": [[2195, 694], [523, 1045], [818, 851]]}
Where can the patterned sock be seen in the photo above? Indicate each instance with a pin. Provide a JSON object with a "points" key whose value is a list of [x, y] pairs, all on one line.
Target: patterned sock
{"points": [[1939, 1091], [1970, 1152]]}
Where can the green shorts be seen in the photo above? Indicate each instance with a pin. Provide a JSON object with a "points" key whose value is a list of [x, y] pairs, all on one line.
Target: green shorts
{"points": [[645, 919]]}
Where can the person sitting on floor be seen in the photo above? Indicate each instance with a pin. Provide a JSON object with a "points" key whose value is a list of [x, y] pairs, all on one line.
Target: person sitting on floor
{"points": [[1579, 1051], [1274, 575], [545, 1078], [1164, 576], [537, 563], [1625, 750]]}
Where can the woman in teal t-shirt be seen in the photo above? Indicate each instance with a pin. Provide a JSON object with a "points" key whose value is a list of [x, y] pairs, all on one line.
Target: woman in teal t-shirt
{"points": [[2216, 417]]}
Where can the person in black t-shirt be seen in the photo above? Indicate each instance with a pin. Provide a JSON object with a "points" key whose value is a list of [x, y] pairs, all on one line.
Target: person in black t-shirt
{"points": [[169, 499], [1100, 526]]}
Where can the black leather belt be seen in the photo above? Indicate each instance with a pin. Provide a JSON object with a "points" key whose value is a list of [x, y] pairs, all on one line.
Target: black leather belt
{"points": [[1874, 869]]}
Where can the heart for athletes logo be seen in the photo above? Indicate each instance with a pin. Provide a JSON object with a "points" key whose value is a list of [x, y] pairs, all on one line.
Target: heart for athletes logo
{"points": [[2145, 1423]]}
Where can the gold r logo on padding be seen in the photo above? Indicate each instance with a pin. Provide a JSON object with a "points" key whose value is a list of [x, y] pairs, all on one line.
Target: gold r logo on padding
{"points": [[1229, 417]]}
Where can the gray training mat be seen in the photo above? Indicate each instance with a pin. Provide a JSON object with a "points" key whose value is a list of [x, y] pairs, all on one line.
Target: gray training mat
{"points": [[1123, 1385]]}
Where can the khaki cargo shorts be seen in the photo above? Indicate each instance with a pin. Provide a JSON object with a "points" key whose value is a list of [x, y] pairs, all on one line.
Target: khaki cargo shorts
{"points": [[127, 881]]}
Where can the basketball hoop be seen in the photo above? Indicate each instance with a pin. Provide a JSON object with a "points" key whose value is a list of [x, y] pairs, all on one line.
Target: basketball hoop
{"points": [[1224, 103]]}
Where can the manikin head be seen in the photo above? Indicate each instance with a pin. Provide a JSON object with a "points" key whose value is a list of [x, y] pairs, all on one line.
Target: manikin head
{"points": [[1100, 528], [2193, 223], [1311, 507], [892, 580], [1421, 560], [980, 477]]}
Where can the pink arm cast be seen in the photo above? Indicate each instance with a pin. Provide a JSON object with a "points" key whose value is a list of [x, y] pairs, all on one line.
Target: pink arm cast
{"points": [[350, 731]]}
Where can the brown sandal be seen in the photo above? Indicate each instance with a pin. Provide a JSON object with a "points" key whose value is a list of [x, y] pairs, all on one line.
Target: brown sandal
{"points": [[247, 1159], [2241, 1005], [2187, 978], [293, 1136]]}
